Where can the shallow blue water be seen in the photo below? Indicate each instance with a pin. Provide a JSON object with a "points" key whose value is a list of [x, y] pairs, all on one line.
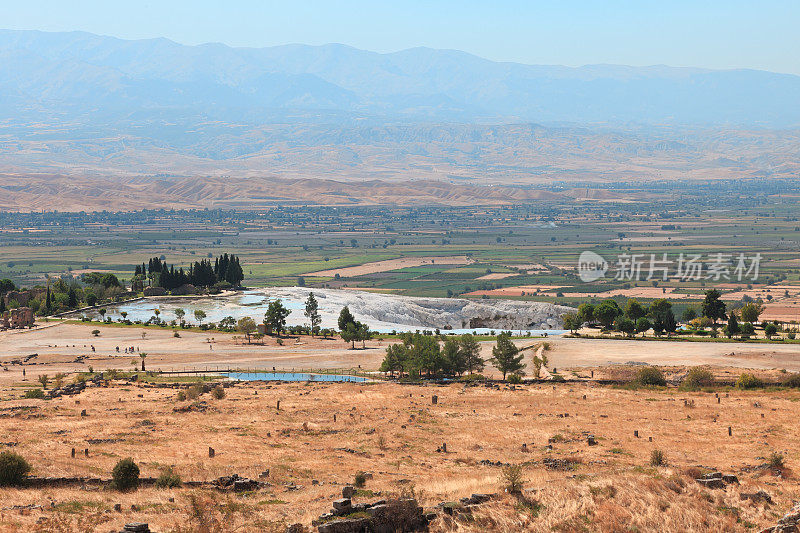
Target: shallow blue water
{"points": [[293, 376]]}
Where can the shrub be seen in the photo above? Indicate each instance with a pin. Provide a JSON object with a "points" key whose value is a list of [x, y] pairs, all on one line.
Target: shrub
{"points": [[749, 381], [34, 394], [13, 469], [181, 396], [511, 479], [657, 458], [168, 479], [697, 378], [176, 334], [218, 392], [775, 460], [793, 381], [650, 376], [96, 332], [360, 480], [125, 475], [514, 379], [194, 392]]}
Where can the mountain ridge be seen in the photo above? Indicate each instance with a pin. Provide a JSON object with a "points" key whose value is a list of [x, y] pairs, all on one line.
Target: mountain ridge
{"points": [[413, 83]]}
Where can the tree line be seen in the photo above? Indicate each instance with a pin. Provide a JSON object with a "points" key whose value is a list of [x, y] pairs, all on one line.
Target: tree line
{"points": [[226, 270], [659, 316]]}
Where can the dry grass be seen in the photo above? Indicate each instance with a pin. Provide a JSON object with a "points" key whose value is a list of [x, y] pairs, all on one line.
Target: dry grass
{"points": [[393, 431]]}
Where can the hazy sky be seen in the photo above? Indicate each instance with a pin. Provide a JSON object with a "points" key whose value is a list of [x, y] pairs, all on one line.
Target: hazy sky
{"points": [[761, 34]]}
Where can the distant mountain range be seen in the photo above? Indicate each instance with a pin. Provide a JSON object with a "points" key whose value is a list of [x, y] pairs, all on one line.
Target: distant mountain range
{"points": [[214, 125], [76, 73]]}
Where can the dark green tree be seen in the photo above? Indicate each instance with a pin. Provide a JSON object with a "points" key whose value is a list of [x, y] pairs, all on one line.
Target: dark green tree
{"points": [[275, 317], [72, 298], [625, 325], [642, 325], [571, 322], [586, 313], [660, 312], [312, 313], [395, 359], [472, 353], [350, 334], [345, 318], [689, 314], [6, 285], [733, 326], [505, 355], [634, 310], [607, 312], [713, 307], [455, 361]]}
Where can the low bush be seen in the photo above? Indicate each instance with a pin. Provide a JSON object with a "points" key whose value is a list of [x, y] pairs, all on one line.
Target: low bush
{"points": [[194, 392], [749, 381], [775, 460], [793, 381], [698, 378], [13, 469], [125, 475], [360, 480], [650, 376], [514, 379], [511, 477], [34, 394], [657, 458], [218, 392], [168, 479]]}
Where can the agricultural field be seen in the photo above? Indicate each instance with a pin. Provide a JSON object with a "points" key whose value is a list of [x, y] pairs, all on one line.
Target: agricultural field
{"points": [[524, 252]]}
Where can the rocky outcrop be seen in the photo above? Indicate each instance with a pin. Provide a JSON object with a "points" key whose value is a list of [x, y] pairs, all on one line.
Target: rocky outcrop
{"points": [[789, 523], [717, 480], [401, 515]]}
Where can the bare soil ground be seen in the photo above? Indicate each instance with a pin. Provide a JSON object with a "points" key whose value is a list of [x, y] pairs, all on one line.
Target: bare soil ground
{"points": [[66, 347], [393, 431]]}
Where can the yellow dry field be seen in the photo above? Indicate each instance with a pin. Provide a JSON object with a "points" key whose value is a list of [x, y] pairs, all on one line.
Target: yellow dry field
{"points": [[393, 431], [391, 264]]}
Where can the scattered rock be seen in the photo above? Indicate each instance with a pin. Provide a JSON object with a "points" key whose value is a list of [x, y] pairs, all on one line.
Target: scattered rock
{"points": [[136, 527], [236, 483], [716, 480], [755, 497]]}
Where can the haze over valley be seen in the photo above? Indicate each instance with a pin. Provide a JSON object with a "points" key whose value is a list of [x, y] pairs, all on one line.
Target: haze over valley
{"points": [[93, 108]]}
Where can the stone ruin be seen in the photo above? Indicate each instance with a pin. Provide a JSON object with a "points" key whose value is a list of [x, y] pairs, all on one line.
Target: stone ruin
{"points": [[401, 515], [18, 318], [383, 516]]}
